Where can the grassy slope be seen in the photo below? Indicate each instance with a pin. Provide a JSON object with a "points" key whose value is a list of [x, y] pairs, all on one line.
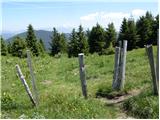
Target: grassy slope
{"points": [[59, 85]]}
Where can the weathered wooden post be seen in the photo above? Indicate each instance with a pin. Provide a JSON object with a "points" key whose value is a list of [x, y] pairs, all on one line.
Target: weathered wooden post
{"points": [[32, 76], [157, 66], [25, 84], [116, 67], [149, 51], [122, 65], [82, 74]]}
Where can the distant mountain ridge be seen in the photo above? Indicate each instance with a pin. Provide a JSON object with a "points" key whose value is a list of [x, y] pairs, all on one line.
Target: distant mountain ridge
{"points": [[43, 34]]}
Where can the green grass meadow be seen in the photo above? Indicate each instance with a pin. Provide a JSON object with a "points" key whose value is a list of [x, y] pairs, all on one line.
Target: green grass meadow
{"points": [[59, 87]]}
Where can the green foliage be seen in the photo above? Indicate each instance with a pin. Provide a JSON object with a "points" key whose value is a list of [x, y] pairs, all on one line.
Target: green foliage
{"points": [[144, 29], [58, 43], [42, 45], [128, 32], [3, 47], [110, 35], [143, 106], [78, 43], [59, 86], [31, 41], [97, 40], [155, 30], [9, 47], [18, 47], [123, 30], [132, 36]]}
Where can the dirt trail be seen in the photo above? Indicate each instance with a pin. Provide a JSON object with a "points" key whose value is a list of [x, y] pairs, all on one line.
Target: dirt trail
{"points": [[117, 101]]}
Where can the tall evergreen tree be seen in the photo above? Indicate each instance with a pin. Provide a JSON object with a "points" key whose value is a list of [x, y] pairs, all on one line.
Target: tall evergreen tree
{"points": [[58, 43], [144, 29], [31, 41], [155, 28], [63, 43], [78, 43], [132, 36], [18, 47], [3, 47], [123, 30], [97, 40], [9, 45], [42, 44], [82, 41], [110, 35], [128, 32], [73, 44]]}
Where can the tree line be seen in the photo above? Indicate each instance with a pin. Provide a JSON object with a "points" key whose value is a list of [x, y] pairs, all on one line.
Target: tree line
{"points": [[97, 40]]}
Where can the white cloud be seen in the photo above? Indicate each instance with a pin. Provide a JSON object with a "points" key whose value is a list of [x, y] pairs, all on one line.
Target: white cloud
{"points": [[90, 16], [138, 12], [104, 18]]}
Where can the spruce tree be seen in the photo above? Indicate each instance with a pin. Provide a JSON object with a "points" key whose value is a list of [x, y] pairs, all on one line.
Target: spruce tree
{"points": [[132, 36], [78, 43], [18, 47], [110, 35], [82, 41], [63, 43], [123, 30], [31, 41], [3, 47], [9, 45], [144, 29], [42, 44], [73, 44], [97, 40], [58, 43], [155, 28]]}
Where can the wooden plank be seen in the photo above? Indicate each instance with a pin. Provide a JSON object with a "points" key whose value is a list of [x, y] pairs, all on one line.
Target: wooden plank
{"points": [[25, 84], [116, 67], [149, 51], [82, 74], [35, 93]]}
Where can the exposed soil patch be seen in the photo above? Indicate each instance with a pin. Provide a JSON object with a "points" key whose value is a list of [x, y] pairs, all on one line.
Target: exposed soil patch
{"points": [[116, 97], [46, 82]]}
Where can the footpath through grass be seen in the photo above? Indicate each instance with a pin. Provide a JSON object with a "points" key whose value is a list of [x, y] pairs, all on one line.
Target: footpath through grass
{"points": [[59, 87]]}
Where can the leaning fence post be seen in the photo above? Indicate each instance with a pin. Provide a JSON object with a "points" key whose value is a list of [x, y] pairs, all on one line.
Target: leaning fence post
{"points": [[82, 74], [32, 76], [149, 51], [25, 84], [116, 67], [123, 64]]}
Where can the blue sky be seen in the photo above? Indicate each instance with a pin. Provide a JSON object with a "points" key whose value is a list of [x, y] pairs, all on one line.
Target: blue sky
{"points": [[66, 14]]}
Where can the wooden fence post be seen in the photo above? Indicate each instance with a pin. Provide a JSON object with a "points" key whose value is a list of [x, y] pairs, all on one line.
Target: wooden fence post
{"points": [[157, 66], [123, 65], [116, 67], [32, 76], [25, 84], [149, 51], [82, 74]]}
